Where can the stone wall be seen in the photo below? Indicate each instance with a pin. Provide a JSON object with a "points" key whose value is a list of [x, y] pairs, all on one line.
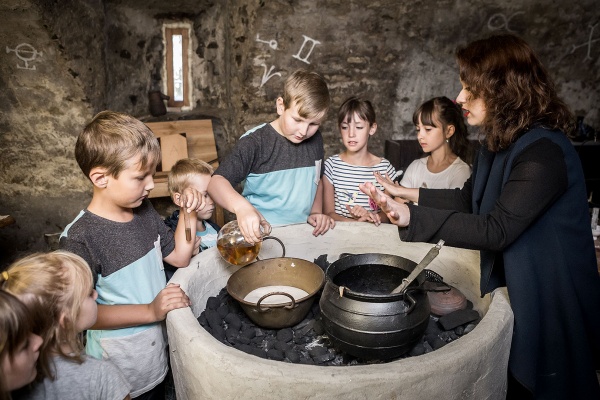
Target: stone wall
{"points": [[64, 61]]}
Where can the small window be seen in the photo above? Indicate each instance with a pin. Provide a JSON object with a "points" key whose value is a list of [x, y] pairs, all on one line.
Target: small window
{"points": [[177, 70]]}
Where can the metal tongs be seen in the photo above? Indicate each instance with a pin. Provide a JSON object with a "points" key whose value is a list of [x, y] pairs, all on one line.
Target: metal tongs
{"points": [[186, 218]]}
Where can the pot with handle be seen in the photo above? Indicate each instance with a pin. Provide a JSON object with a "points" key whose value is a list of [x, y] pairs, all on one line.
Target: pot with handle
{"points": [[360, 313]]}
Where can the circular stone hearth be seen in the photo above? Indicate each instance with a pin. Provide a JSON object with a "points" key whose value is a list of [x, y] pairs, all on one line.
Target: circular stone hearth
{"points": [[204, 368]]}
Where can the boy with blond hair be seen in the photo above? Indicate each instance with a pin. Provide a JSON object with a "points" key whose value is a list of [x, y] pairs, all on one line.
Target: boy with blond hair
{"points": [[124, 241], [194, 173], [279, 163]]}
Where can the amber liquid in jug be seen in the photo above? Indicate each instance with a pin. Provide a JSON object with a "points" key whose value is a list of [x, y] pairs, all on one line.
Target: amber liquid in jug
{"points": [[236, 253]]}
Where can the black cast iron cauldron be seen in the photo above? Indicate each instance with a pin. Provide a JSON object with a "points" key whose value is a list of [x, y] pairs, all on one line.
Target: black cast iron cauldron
{"points": [[362, 317]]}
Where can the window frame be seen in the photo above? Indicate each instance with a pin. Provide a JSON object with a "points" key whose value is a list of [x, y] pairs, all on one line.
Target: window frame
{"points": [[183, 29]]}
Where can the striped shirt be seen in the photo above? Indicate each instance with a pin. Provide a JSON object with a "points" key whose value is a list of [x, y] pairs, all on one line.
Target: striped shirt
{"points": [[345, 179]]}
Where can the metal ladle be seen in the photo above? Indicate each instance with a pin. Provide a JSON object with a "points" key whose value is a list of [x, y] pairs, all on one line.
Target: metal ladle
{"points": [[435, 250]]}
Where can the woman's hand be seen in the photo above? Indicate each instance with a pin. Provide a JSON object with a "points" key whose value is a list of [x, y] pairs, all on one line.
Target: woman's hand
{"points": [[321, 222], [398, 213], [395, 190]]}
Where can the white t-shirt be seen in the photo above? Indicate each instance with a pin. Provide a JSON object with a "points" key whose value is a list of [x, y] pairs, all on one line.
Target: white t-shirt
{"points": [[417, 175]]}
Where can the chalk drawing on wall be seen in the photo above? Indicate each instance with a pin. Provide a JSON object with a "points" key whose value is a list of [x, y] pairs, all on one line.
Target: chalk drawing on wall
{"points": [[312, 46], [268, 75], [26, 53], [272, 43], [500, 21], [590, 40], [303, 54]]}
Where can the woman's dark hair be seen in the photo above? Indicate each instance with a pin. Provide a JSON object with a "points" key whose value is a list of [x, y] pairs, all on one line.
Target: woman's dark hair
{"points": [[504, 71], [442, 110], [352, 105]]}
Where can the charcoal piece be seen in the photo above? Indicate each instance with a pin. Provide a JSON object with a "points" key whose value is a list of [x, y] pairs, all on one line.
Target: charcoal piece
{"points": [[317, 351], [259, 352], [302, 323], [318, 327], [244, 347], [269, 343], [218, 332], [302, 339], [202, 319], [249, 333], [233, 321], [242, 339], [432, 327], [223, 310], [285, 335], [213, 318], [427, 346], [306, 360], [212, 303], [282, 346], [435, 341], [322, 262], [469, 305], [453, 336], [231, 335], [459, 330], [417, 350], [293, 356], [257, 340], [274, 354], [469, 328], [456, 318], [223, 295], [445, 336], [323, 358]]}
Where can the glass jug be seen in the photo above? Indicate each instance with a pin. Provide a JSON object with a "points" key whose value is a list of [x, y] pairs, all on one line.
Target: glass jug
{"points": [[235, 250]]}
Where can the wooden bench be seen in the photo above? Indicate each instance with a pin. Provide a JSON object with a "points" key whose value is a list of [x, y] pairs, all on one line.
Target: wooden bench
{"points": [[182, 139]]}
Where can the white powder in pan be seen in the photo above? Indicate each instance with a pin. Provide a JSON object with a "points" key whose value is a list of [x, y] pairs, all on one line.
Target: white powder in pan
{"points": [[257, 293]]}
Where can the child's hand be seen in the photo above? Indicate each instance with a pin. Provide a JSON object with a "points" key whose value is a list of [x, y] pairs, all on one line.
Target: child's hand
{"points": [[392, 188], [168, 299], [250, 222], [360, 214], [321, 222], [192, 200]]}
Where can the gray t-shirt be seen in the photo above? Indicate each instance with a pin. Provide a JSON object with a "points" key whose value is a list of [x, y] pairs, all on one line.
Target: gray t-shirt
{"points": [[92, 380]]}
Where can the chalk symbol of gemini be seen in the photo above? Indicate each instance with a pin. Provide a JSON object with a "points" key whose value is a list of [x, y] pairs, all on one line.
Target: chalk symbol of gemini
{"points": [[26, 53]]}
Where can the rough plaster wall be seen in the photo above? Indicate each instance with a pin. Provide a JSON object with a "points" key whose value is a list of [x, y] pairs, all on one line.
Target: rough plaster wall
{"points": [[108, 54], [42, 110]]}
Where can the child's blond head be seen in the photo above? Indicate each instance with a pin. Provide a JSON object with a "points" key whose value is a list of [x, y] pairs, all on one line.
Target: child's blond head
{"points": [[111, 139], [184, 170], [53, 286], [16, 325], [309, 91]]}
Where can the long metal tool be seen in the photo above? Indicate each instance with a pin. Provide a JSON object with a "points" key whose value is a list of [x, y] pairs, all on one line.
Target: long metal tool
{"points": [[435, 250]]}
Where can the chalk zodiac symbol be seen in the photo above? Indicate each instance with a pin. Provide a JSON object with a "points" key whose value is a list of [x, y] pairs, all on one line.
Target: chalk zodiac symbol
{"points": [[499, 21], [588, 43], [268, 75], [271, 43], [26, 53], [306, 39]]}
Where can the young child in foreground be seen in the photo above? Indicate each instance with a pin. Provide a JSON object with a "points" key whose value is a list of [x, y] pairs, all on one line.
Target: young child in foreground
{"points": [[58, 290], [19, 346], [280, 164], [342, 200], [124, 241], [443, 135], [194, 173]]}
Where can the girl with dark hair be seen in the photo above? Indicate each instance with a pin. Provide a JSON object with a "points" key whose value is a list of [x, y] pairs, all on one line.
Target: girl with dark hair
{"points": [[525, 208], [443, 136]]}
